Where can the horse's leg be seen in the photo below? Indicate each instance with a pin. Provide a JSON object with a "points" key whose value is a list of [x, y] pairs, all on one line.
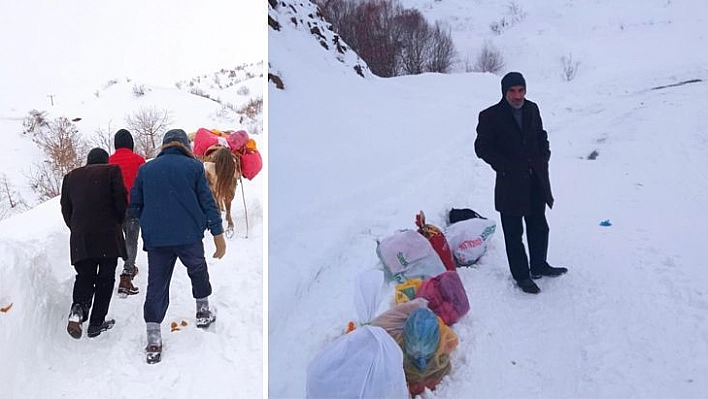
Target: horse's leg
{"points": [[227, 204]]}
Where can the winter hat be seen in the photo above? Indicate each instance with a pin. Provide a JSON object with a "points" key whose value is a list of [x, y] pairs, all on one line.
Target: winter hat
{"points": [[512, 79], [177, 135], [123, 139], [97, 155]]}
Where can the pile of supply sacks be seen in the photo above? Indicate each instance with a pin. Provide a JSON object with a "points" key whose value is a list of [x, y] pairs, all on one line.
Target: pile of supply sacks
{"points": [[414, 351], [241, 145]]}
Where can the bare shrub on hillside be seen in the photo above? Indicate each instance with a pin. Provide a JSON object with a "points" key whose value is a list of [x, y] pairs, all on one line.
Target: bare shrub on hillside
{"points": [[489, 59], [414, 34], [11, 201], [442, 50], [110, 83], [243, 91], [391, 39], [65, 150], [103, 138], [570, 67], [35, 120], [148, 125], [514, 15], [252, 108], [138, 90], [377, 40]]}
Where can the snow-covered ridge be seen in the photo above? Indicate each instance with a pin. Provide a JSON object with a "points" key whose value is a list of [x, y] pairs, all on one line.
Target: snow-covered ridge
{"points": [[286, 16]]}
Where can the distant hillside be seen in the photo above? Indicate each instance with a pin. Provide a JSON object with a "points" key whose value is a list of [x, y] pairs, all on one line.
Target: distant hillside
{"points": [[302, 18]]}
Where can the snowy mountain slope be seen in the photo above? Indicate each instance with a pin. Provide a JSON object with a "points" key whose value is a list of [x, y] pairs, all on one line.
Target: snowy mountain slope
{"points": [[303, 20], [629, 318], [108, 107]]}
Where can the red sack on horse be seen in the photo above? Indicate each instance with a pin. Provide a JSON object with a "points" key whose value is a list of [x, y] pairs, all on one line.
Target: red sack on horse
{"points": [[251, 164], [204, 139], [237, 140]]}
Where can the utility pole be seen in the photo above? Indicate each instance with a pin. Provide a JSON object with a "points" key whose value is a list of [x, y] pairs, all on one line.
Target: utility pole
{"points": [[51, 98]]}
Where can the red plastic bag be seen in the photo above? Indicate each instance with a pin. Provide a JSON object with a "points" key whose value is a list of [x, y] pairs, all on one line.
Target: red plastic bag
{"points": [[446, 296], [437, 240], [251, 164]]}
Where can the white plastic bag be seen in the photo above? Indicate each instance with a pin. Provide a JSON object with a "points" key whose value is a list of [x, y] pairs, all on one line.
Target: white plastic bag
{"points": [[468, 239], [367, 294], [365, 363], [407, 254]]}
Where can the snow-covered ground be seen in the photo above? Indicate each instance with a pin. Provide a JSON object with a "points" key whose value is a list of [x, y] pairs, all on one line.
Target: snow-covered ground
{"points": [[39, 359], [353, 159]]}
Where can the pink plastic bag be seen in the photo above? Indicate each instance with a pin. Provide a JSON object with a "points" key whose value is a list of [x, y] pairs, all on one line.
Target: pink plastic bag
{"points": [[237, 139], [446, 296], [204, 139]]}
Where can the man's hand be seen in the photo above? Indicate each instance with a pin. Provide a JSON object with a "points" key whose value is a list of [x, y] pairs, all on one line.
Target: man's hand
{"points": [[220, 244]]}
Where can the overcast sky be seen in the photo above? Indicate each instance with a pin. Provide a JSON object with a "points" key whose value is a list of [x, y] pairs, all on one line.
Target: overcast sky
{"points": [[49, 46]]}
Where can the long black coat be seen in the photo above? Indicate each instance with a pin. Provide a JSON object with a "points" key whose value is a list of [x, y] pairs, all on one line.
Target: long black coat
{"points": [[93, 203], [512, 153]]}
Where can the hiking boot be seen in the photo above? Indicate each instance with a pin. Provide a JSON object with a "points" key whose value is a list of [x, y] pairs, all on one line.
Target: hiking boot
{"points": [[126, 286], [153, 353], [76, 317], [205, 317], [96, 330], [548, 271], [528, 286], [130, 271]]}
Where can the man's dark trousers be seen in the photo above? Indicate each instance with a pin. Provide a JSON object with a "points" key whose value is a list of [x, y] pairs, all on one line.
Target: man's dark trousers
{"points": [[95, 279], [161, 264], [536, 235]]}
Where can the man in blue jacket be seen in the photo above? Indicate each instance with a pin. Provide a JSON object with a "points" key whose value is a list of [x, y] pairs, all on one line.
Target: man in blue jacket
{"points": [[171, 197]]}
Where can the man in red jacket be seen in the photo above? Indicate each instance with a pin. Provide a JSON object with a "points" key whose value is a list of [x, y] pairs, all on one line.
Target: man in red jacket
{"points": [[129, 162]]}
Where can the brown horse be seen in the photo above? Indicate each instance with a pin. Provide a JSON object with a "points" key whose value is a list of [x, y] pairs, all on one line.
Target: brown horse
{"points": [[223, 172]]}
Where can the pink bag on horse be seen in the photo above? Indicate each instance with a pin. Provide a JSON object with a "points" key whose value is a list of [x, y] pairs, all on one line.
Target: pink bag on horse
{"points": [[251, 164], [204, 139], [236, 140], [446, 296]]}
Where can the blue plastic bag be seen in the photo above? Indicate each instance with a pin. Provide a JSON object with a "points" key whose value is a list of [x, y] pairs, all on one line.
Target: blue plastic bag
{"points": [[421, 336]]}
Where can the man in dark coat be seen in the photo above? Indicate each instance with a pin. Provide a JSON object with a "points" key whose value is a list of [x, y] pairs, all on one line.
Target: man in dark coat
{"points": [[171, 197], [93, 203], [511, 138]]}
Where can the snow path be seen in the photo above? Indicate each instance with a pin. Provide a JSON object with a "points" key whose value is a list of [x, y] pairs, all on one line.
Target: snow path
{"points": [[223, 361]]}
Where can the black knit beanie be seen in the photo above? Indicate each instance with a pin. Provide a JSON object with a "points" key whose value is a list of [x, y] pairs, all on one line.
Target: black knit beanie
{"points": [[512, 79], [97, 155], [123, 139], [177, 135]]}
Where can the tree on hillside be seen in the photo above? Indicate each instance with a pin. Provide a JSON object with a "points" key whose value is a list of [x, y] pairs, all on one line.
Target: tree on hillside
{"points": [[414, 36], [391, 39], [10, 200], [65, 150], [442, 50], [148, 125]]}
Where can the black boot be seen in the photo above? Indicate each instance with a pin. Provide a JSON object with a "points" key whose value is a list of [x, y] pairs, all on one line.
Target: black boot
{"points": [[96, 330], [205, 318], [548, 271], [528, 286]]}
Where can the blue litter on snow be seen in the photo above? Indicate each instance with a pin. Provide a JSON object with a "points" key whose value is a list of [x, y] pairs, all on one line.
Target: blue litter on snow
{"points": [[606, 223]]}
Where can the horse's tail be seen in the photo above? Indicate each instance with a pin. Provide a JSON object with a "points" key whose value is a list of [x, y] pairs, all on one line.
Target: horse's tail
{"points": [[225, 171]]}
